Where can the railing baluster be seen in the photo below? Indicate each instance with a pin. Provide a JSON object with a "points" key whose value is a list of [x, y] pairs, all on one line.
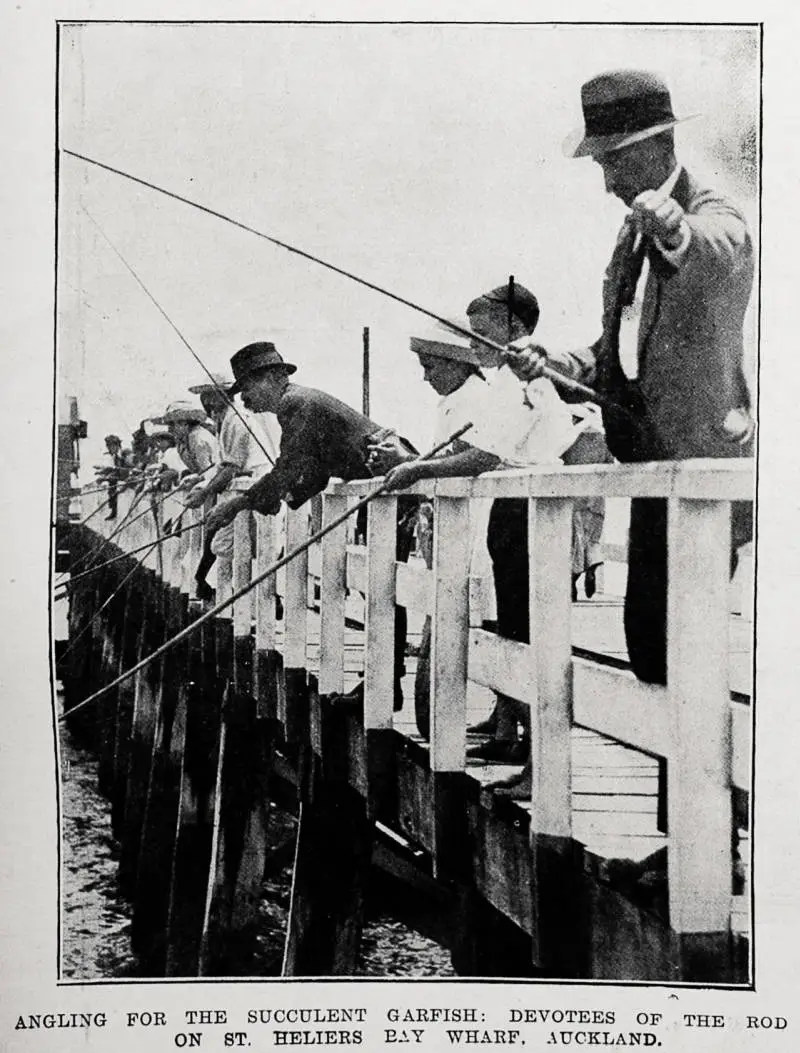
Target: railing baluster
{"points": [[550, 531], [242, 567], [333, 588], [449, 634], [380, 616], [295, 617], [698, 779], [448, 686], [558, 929], [266, 550]]}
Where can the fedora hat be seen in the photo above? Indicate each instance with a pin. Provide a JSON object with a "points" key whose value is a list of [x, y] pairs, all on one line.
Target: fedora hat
{"points": [[182, 412], [251, 359], [440, 349], [216, 382], [619, 108]]}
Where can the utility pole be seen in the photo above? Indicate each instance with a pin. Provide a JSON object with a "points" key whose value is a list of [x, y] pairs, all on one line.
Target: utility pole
{"points": [[365, 374]]}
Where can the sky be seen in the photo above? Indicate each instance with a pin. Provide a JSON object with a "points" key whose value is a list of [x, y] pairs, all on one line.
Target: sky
{"points": [[427, 159]]}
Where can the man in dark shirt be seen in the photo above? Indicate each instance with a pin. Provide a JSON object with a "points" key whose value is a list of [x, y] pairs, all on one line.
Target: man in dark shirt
{"points": [[321, 438]]}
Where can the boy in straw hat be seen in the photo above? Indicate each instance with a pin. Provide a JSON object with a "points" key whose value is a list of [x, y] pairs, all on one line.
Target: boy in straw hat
{"points": [[513, 425], [191, 430], [671, 349]]}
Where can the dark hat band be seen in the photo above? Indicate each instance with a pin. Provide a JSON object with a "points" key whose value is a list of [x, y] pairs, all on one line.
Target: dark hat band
{"points": [[624, 116]]}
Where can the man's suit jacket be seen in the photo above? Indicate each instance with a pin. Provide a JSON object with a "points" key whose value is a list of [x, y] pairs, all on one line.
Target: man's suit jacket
{"points": [[690, 343], [321, 437]]}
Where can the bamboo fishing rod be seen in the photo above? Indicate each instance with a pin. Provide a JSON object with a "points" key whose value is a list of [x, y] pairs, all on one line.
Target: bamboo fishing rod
{"points": [[96, 614], [217, 386], [126, 521], [67, 585], [268, 572], [97, 546], [555, 375]]}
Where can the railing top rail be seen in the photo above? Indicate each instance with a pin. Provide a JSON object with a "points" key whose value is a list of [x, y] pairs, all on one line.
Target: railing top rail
{"points": [[702, 479]]}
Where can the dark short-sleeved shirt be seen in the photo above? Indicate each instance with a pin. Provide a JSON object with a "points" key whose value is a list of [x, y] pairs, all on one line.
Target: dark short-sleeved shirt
{"points": [[321, 438]]}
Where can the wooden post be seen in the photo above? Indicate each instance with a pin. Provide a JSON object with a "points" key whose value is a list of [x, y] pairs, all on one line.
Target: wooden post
{"points": [[242, 567], [295, 620], [698, 782], [268, 675], [365, 374], [379, 656], [380, 616], [333, 593], [448, 691], [561, 939]]}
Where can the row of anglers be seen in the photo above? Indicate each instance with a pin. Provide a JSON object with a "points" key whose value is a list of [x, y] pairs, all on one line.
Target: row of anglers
{"points": [[284, 442]]}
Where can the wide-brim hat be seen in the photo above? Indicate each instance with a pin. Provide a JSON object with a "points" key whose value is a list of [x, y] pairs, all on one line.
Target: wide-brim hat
{"points": [[217, 382], [438, 348], [619, 108], [182, 412], [253, 358]]}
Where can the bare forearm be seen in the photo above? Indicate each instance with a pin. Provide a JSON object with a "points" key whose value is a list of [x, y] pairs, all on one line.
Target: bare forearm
{"points": [[468, 462]]}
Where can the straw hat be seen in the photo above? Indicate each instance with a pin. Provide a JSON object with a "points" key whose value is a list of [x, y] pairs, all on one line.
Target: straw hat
{"points": [[218, 382], [182, 412]]}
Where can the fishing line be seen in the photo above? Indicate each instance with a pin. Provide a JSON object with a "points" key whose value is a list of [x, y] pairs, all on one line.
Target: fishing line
{"points": [[272, 569], [219, 388], [552, 374]]}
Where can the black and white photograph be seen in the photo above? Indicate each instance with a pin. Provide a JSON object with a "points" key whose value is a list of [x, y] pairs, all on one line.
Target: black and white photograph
{"points": [[403, 567]]}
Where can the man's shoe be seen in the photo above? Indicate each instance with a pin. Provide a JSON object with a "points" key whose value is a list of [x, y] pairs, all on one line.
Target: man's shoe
{"points": [[501, 751], [518, 787], [351, 701], [204, 591], [485, 727]]}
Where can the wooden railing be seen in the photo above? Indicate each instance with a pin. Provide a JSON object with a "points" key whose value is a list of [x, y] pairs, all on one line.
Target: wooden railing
{"points": [[693, 722]]}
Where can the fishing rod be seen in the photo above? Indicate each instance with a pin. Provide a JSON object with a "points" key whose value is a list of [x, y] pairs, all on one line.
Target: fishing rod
{"points": [[96, 614], [126, 521], [218, 387], [98, 545], [558, 378], [67, 585], [270, 570]]}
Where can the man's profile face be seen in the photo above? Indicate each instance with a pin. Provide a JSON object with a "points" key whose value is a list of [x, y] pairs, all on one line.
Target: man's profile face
{"points": [[261, 393], [630, 170], [443, 375]]}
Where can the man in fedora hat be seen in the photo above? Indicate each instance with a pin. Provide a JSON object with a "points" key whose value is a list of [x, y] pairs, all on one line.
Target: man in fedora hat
{"points": [[321, 438], [247, 445], [671, 349]]}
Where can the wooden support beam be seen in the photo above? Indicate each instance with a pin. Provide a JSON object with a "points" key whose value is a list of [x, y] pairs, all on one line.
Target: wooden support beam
{"points": [[699, 784], [326, 913], [560, 936], [448, 691]]}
